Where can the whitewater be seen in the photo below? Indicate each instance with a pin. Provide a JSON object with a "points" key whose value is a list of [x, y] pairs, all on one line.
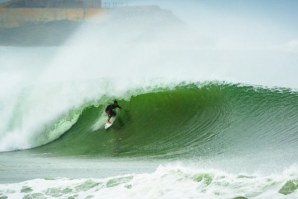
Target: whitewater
{"points": [[204, 115]]}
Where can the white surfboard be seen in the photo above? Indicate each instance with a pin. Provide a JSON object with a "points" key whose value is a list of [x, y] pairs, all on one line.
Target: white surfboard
{"points": [[108, 125]]}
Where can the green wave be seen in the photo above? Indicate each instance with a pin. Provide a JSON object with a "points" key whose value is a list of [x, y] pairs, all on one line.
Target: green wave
{"points": [[188, 121]]}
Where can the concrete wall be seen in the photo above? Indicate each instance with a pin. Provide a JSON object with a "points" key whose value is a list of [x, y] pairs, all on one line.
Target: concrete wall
{"points": [[14, 17], [52, 4]]}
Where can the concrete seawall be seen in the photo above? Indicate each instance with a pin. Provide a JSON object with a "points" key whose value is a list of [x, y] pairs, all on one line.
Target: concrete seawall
{"points": [[15, 17]]}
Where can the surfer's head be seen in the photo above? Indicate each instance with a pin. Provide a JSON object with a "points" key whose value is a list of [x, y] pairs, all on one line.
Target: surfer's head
{"points": [[115, 102]]}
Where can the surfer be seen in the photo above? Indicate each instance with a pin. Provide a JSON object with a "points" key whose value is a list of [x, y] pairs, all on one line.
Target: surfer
{"points": [[110, 110]]}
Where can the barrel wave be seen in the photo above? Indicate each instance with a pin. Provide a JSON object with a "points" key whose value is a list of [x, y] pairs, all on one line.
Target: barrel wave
{"points": [[187, 121]]}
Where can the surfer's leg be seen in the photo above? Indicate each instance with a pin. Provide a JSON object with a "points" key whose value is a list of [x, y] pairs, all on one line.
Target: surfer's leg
{"points": [[109, 116], [113, 113]]}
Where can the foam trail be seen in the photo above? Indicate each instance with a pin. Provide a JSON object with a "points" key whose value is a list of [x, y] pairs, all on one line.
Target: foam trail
{"points": [[100, 122]]}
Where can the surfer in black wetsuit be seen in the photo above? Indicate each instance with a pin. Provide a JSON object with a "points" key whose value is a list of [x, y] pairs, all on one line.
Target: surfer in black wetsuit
{"points": [[110, 110]]}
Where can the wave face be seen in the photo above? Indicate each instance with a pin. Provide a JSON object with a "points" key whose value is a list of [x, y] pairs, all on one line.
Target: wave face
{"points": [[188, 121]]}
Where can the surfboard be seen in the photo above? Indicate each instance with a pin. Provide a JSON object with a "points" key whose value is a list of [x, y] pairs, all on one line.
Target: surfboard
{"points": [[108, 125]]}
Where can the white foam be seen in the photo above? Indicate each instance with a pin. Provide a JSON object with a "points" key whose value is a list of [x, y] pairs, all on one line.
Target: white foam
{"points": [[166, 182]]}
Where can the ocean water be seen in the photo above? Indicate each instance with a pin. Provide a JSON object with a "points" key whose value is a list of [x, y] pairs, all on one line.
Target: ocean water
{"points": [[200, 119]]}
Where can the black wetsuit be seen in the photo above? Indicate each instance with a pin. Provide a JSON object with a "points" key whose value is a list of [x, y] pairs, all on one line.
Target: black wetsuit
{"points": [[110, 109]]}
